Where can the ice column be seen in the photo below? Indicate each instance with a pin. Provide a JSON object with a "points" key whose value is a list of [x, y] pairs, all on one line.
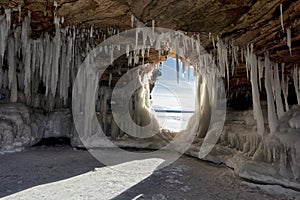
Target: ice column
{"points": [[56, 57], [257, 112], [278, 99], [12, 71], [272, 118]]}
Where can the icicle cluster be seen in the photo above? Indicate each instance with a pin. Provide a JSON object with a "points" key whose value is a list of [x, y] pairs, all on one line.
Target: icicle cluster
{"points": [[276, 84], [49, 62]]}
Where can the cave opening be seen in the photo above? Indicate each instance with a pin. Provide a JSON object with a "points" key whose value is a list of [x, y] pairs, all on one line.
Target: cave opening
{"points": [[174, 102]]}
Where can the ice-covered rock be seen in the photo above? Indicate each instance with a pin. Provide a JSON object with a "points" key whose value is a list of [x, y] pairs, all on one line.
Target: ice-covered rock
{"points": [[20, 126], [16, 127]]}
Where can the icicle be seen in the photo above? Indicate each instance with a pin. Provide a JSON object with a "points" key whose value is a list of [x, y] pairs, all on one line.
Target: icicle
{"points": [[5, 22], [272, 118], [55, 4], [91, 32], [281, 17], [127, 50], [247, 56], [298, 76], [278, 99], [153, 27], [27, 78], [111, 52], [48, 64], [289, 39], [1, 76], [257, 112], [109, 81], [41, 55], [8, 17], [56, 57], [242, 55], [260, 71], [12, 72], [296, 86], [20, 12], [130, 59], [63, 71], [284, 88], [132, 20], [25, 32], [233, 59], [34, 57]]}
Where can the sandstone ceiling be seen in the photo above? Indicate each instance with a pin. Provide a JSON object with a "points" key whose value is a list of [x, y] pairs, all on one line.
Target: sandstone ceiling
{"points": [[243, 22]]}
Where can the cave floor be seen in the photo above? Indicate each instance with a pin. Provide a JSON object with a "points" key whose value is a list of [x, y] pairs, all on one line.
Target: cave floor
{"points": [[61, 172]]}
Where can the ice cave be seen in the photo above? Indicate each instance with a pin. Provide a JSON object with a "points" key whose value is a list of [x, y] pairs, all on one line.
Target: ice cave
{"points": [[149, 99]]}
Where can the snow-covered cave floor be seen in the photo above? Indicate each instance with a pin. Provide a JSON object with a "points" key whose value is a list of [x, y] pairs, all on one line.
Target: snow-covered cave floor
{"points": [[64, 173]]}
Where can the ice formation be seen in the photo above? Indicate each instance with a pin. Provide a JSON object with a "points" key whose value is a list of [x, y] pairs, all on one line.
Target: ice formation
{"points": [[281, 17], [284, 87], [49, 61], [278, 89], [289, 39], [272, 118], [257, 112], [296, 86]]}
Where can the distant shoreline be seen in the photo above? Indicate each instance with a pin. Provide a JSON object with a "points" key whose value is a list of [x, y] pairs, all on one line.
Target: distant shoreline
{"points": [[174, 111]]}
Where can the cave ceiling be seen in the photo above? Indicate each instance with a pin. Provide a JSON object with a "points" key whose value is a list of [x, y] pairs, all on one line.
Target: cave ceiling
{"points": [[241, 22]]}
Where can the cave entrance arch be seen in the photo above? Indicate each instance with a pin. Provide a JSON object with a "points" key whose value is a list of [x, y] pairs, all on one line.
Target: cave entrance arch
{"points": [[172, 100]]}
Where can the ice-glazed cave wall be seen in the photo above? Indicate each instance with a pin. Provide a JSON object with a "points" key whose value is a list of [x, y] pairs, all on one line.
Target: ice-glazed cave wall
{"points": [[261, 143]]}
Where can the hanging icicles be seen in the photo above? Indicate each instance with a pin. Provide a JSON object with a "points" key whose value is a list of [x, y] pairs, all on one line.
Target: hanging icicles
{"points": [[5, 23]]}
